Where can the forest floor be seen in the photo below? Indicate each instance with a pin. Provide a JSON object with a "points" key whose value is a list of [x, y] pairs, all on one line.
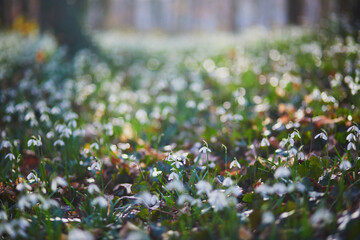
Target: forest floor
{"points": [[253, 136]]}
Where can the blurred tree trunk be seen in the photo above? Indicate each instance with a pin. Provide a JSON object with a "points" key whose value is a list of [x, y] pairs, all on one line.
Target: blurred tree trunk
{"points": [[25, 8], [97, 11], [106, 7], [350, 9], [3, 15], [233, 15], [65, 19], [294, 11]]}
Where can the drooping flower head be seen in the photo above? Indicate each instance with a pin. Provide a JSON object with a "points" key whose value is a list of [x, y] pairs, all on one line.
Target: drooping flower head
{"points": [[282, 172]]}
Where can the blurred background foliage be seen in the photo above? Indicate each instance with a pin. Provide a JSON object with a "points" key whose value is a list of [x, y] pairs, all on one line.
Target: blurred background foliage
{"points": [[71, 21]]}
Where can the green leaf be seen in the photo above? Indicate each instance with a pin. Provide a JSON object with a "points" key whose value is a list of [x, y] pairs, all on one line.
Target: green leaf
{"points": [[43, 172], [304, 169], [69, 203], [315, 168], [311, 168], [248, 197], [255, 218]]}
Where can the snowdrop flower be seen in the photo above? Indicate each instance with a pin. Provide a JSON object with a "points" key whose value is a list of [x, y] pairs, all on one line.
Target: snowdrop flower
{"points": [[227, 182], [321, 135], [100, 201], [283, 142], [171, 157], [8, 228], [178, 163], [127, 187], [109, 129], [31, 177], [234, 190], [50, 135], [292, 152], [66, 132], [23, 203], [282, 172], [113, 148], [294, 134], [350, 146], [264, 190], [279, 188], [21, 107], [354, 129], [124, 146], [22, 225], [155, 172], [28, 200], [55, 110], [21, 186], [300, 187], [291, 142], [321, 217], [136, 235], [301, 156], [203, 187], [173, 176], [3, 215], [60, 128], [267, 218], [217, 200], [48, 203], [196, 202], [5, 144], [345, 165], [72, 124], [16, 142], [70, 116], [10, 109], [94, 146], [59, 143], [78, 234], [34, 142], [29, 116], [93, 188], [235, 163], [204, 149], [31, 142], [150, 201], [10, 156], [184, 198], [351, 137], [58, 181], [313, 195], [264, 143], [95, 166], [175, 185], [176, 160], [45, 118], [79, 132], [39, 142]]}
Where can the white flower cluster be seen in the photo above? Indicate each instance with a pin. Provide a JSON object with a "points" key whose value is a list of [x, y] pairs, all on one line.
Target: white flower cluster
{"points": [[352, 137], [289, 143], [15, 228], [30, 199], [218, 199], [279, 188], [177, 160]]}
